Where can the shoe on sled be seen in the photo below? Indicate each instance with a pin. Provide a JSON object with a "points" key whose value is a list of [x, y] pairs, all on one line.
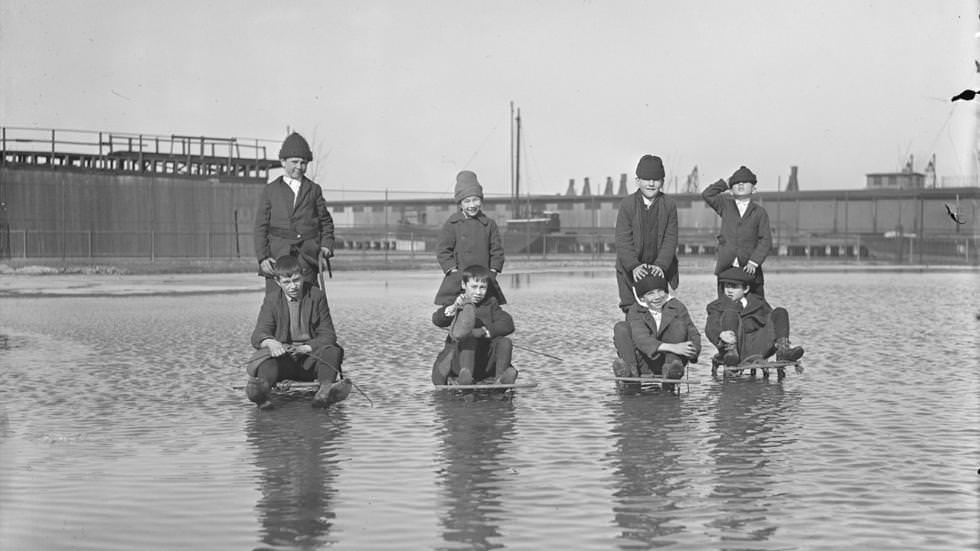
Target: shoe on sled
{"points": [[508, 377], [332, 393], [465, 376], [257, 390], [787, 353], [622, 369], [674, 370], [728, 355]]}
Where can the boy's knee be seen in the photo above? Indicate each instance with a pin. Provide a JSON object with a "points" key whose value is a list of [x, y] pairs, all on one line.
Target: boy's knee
{"points": [[503, 344]]}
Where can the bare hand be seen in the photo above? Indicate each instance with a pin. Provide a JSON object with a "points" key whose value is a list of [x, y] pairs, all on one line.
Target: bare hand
{"points": [[639, 272], [655, 270], [727, 337], [749, 268], [267, 266], [297, 350], [275, 347], [326, 252], [684, 349]]}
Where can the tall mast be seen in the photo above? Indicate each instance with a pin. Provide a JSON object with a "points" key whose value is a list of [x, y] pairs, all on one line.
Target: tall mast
{"points": [[513, 199], [517, 163]]}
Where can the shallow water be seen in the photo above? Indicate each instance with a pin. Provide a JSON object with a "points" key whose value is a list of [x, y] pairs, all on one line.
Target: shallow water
{"points": [[119, 428]]}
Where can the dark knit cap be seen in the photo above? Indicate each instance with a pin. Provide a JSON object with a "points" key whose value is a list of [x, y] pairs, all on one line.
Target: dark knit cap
{"points": [[467, 186], [742, 175], [648, 283], [736, 275], [295, 146], [650, 167]]}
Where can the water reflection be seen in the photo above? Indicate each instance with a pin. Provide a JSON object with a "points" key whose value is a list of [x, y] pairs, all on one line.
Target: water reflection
{"points": [[475, 435], [753, 423], [646, 459], [296, 457]]}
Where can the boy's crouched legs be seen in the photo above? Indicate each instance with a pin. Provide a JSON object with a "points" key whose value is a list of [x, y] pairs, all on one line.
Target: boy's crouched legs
{"points": [[328, 362], [784, 350], [625, 365], [258, 387], [500, 355]]}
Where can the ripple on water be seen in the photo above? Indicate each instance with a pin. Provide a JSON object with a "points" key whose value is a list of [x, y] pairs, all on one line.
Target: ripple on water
{"points": [[119, 428]]}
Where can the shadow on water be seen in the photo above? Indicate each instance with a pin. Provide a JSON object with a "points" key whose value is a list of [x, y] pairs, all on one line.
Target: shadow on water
{"points": [[476, 432], [753, 421], [296, 458], [645, 458]]}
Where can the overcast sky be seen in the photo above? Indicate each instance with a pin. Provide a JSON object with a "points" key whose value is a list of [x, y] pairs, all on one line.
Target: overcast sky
{"points": [[404, 94]]}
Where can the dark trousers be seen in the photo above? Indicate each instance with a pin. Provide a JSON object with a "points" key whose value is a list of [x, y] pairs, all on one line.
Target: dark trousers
{"points": [[303, 368], [483, 355], [637, 360], [761, 341]]}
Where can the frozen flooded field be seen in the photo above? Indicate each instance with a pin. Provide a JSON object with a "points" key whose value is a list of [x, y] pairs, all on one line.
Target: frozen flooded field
{"points": [[119, 427]]}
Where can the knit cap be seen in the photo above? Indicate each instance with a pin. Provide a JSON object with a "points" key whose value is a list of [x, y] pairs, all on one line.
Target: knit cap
{"points": [[650, 167], [648, 283], [742, 175], [295, 146], [467, 186]]}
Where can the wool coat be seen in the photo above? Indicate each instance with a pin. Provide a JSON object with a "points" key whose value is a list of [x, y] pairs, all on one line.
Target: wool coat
{"points": [[745, 237], [466, 242], [632, 235], [648, 335], [755, 334], [273, 323], [489, 314], [282, 227]]}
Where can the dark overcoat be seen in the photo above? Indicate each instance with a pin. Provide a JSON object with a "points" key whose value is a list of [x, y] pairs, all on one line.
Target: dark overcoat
{"points": [[489, 314], [466, 242], [745, 237], [273, 323], [755, 334], [283, 228], [631, 236], [646, 333]]}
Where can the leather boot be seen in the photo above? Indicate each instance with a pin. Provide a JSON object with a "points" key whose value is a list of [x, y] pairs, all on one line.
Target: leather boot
{"points": [[257, 390], [332, 393], [787, 353]]}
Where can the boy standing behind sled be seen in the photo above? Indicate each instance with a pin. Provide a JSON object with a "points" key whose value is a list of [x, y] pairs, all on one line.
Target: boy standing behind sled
{"points": [[646, 232], [292, 217], [745, 238], [477, 346], [742, 324], [658, 333], [295, 340], [469, 238]]}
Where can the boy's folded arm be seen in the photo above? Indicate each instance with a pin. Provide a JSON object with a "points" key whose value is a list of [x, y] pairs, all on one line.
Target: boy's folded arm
{"points": [[668, 249], [501, 323], [440, 319]]}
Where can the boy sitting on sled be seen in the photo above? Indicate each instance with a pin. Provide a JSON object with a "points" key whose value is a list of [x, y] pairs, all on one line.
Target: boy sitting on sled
{"points": [[477, 346], [295, 340], [658, 333], [744, 327]]}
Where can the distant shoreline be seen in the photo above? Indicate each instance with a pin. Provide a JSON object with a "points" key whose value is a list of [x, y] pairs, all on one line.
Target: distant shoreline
{"points": [[181, 277]]}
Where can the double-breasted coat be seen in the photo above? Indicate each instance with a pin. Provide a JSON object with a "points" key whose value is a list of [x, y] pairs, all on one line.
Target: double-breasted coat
{"points": [[466, 242]]}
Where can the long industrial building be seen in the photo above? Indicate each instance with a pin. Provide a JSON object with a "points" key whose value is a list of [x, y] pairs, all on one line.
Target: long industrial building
{"points": [[78, 194]]}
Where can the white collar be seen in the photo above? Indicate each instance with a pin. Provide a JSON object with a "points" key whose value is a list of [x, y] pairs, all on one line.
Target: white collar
{"points": [[291, 181]]}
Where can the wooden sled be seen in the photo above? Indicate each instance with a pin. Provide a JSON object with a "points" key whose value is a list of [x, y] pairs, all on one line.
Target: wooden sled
{"points": [[754, 365], [486, 386]]}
